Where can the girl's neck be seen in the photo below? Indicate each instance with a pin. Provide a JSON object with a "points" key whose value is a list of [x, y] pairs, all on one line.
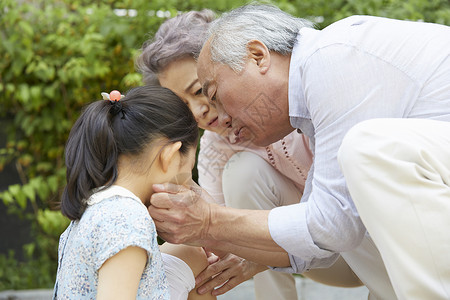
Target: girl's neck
{"points": [[142, 189]]}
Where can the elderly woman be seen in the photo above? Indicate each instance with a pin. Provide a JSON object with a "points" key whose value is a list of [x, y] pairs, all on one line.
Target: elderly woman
{"points": [[236, 174]]}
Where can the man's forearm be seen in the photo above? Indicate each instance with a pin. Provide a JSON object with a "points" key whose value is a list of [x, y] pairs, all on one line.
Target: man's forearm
{"points": [[261, 257], [241, 227]]}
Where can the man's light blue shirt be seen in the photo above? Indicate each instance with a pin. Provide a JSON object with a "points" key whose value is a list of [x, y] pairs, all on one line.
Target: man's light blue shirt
{"points": [[356, 69]]}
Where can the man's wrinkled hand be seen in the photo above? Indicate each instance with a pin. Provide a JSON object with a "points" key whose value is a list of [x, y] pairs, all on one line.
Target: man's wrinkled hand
{"points": [[225, 273], [180, 213]]}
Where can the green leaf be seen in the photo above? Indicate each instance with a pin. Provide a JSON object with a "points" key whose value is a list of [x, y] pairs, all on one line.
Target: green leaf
{"points": [[44, 166], [53, 222], [53, 183], [24, 93], [47, 123], [7, 198], [29, 192], [43, 191], [50, 92], [14, 189], [43, 71], [29, 249], [18, 195], [26, 28], [132, 79]]}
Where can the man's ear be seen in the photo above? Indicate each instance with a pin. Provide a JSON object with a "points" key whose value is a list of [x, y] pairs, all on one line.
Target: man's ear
{"points": [[168, 154], [257, 51]]}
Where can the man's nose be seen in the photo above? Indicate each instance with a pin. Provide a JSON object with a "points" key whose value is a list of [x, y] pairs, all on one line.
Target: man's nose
{"points": [[224, 118]]}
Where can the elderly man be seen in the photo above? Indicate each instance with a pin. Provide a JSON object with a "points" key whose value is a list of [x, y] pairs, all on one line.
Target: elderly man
{"points": [[373, 96]]}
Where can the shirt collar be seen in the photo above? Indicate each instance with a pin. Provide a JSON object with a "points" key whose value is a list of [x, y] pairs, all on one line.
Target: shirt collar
{"points": [[101, 194], [297, 104]]}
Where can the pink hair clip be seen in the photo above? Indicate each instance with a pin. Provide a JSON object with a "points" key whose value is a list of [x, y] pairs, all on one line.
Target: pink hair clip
{"points": [[114, 98], [114, 95]]}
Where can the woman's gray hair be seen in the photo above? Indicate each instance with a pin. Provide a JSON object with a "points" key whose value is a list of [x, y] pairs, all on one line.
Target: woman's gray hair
{"points": [[179, 37], [229, 35]]}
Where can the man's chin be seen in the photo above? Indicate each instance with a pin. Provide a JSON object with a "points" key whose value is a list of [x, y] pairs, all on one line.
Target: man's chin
{"points": [[249, 137]]}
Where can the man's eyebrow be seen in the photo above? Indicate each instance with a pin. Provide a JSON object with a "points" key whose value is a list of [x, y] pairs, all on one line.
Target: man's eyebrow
{"points": [[205, 88]]}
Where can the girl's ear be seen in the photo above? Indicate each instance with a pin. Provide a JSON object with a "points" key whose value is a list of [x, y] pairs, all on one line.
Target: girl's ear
{"points": [[168, 154]]}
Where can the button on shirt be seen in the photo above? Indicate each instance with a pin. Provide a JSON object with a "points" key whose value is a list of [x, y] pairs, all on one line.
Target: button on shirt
{"points": [[356, 69]]}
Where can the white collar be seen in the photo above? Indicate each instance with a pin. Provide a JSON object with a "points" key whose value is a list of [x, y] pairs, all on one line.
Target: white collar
{"points": [[115, 190], [296, 97]]}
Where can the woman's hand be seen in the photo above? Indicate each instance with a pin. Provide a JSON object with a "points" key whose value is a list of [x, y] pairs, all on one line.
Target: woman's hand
{"points": [[225, 271]]}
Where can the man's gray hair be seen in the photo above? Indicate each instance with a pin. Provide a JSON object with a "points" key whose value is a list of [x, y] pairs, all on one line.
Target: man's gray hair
{"points": [[179, 37], [230, 34]]}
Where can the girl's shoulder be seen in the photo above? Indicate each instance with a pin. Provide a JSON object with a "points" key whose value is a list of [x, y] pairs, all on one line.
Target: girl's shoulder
{"points": [[117, 206], [117, 209], [114, 223]]}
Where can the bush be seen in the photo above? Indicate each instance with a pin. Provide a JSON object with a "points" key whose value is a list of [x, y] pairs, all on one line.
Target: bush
{"points": [[56, 57], [59, 55]]}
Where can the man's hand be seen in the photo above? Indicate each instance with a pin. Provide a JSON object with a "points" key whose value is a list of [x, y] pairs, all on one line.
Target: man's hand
{"points": [[179, 212], [225, 272]]}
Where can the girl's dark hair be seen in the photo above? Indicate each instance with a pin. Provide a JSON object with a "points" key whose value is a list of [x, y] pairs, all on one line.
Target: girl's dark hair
{"points": [[102, 133]]}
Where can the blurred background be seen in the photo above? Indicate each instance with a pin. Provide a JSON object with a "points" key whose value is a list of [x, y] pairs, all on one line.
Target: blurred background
{"points": [[58, 55]]}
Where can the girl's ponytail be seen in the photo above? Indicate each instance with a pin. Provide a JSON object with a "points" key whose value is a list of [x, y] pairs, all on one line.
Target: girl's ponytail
{"points": [[91, 158]]}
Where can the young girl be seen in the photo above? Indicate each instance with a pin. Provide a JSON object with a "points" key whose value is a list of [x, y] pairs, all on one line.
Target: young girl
{"points": [[116, 150]]}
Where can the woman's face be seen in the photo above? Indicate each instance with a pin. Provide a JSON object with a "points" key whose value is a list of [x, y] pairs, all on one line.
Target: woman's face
{"points": [[180, 76]]}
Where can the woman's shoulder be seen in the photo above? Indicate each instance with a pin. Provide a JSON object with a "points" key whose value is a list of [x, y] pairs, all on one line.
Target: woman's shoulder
{"points": [[212, 137], [293, 149], [214, 147]]}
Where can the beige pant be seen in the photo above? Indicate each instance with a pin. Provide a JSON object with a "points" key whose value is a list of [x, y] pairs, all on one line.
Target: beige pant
{"points": [[398, 173], [249, 182], [368, 265]]}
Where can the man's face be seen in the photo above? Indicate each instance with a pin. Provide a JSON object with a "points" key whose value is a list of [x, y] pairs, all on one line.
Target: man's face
{"points": [[245, 101]]}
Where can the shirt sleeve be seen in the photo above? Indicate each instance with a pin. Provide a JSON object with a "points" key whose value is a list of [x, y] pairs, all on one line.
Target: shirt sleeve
{"points": [[126, 224], [343, 86]]}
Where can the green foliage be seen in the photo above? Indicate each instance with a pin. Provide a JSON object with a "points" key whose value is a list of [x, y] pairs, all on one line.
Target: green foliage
{"points": [[56, 57], [59, 55], [35, 273], [325, 12], [38, 271]]}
